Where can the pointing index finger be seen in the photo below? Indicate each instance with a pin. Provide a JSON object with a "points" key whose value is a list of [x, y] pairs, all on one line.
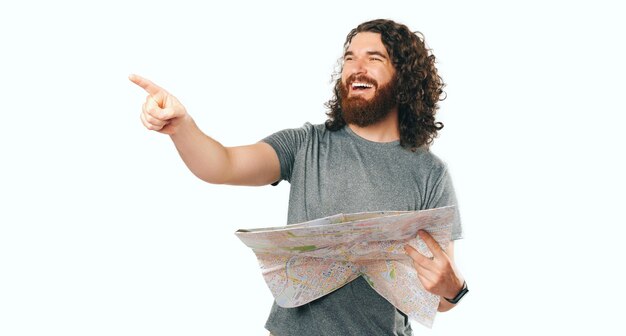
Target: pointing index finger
{"points": [[154, 90]]}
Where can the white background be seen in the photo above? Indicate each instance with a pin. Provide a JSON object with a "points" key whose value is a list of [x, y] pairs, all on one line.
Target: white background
{"points": [[104, 231]]}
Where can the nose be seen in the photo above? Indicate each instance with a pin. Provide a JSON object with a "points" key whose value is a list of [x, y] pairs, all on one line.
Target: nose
{"points": [[360, 67], [356, 67]]}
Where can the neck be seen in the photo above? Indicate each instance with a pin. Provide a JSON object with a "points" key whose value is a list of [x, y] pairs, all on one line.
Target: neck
{"points": [[386, 130]]}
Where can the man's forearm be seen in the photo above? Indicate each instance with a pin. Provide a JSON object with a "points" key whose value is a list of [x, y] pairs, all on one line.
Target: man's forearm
{"points": [[204, 156]]}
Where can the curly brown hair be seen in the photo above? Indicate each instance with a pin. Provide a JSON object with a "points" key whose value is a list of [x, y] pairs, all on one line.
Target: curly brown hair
{"points": [[418, 86]]}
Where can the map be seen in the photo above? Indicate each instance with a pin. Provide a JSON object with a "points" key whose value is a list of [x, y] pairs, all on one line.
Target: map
{"points": [[305, 261]]}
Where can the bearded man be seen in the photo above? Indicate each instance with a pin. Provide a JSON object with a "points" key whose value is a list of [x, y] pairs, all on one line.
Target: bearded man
{"points": [[372, 154]]}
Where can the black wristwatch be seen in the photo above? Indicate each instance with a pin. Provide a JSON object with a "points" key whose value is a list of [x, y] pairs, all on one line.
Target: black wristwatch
{"points": [[459, 295]]}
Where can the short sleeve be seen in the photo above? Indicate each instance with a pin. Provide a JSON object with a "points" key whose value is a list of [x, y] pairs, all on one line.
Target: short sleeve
{"points": [[286, 143], [441, 193]]}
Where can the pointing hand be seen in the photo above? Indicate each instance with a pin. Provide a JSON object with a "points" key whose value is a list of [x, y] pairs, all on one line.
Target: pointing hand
{"points": [[161, 112]]}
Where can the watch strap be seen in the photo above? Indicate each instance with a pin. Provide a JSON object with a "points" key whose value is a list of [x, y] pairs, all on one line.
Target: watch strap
{"points": [[459, 295]]}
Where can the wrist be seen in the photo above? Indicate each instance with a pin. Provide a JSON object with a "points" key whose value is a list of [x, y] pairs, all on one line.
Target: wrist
{"points": [[184, 126], [456, 297], [455, 288]]}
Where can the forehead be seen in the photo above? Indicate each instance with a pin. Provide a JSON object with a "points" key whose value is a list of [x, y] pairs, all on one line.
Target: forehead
{"points": [[367, 41]]}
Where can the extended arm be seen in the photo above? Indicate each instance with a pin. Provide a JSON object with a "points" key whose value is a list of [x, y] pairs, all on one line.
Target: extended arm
{"points": [[209, 160]]}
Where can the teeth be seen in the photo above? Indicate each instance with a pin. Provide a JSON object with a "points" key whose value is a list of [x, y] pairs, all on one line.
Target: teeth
{"points": [[357, 84]]}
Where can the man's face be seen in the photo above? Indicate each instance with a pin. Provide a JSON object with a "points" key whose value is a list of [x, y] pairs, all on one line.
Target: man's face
{"points": [[367, 90]]}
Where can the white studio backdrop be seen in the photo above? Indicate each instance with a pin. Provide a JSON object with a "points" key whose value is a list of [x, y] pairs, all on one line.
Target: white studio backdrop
{"points": [[104, 231]]}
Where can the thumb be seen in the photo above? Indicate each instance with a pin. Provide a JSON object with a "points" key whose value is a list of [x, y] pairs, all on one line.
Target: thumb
{"points": [[169, 113]]}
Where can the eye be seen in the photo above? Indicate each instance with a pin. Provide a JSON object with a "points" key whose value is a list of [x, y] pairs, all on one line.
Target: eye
{"points": [[347, 58], [376, 59]]}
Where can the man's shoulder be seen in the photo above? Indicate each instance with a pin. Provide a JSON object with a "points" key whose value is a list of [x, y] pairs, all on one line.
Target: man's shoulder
{"points": [[425, 158], [317, 131], [309, 127], [321, 128]]}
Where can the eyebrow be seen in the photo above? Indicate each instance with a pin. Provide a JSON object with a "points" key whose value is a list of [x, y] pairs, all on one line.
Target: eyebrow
{"points": [[370, 53]]}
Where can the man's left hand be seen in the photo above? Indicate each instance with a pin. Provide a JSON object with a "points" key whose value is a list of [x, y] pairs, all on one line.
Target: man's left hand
{"points": [[437, 274]]}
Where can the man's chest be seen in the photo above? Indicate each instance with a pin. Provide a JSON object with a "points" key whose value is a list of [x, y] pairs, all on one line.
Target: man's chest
{"points": [[355, 183]]}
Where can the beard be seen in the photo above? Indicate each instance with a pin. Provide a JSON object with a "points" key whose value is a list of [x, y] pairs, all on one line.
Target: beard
{"points": [[363, 112]]}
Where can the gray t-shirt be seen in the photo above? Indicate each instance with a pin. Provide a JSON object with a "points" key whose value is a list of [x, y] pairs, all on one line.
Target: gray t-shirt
{"points": [[341, 172]]}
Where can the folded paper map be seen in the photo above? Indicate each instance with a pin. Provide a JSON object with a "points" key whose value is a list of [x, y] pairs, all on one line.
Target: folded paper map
{"points": [[305, 261]]}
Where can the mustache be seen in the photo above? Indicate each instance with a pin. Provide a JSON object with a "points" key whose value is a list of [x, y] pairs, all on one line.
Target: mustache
{"points": [[362, 79]]}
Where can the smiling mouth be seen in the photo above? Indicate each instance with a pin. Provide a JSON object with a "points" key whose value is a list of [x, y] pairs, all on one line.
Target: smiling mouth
{"points": [[361, 87]]}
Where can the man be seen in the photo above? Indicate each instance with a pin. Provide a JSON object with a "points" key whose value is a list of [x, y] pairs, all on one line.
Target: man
{"points": [[370, 155]]}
